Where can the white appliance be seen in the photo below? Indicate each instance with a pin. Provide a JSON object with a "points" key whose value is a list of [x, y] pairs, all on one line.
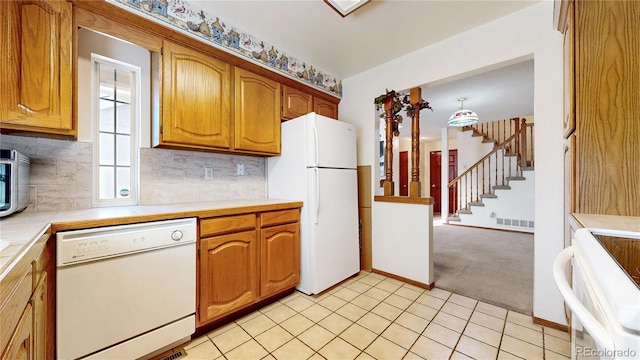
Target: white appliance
{"points": [[603, 297], [123, 292], [318, 166]]}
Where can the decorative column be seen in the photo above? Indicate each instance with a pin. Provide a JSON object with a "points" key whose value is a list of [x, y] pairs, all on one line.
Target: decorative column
{"points": [[414, 185], [388, 153]]}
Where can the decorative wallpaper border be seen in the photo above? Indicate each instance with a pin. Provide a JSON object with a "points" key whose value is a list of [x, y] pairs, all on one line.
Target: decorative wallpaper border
{"points": [[192, 20]]}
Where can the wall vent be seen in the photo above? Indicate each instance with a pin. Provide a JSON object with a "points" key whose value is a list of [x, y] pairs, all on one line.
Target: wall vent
{"points": [[515, 222]]}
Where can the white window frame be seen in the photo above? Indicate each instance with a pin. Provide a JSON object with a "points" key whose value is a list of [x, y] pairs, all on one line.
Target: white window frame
{"points": [[134, 191]]}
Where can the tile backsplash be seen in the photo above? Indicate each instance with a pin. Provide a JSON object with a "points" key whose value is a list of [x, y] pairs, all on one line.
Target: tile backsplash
{"points": [[61, 174], [170, 176]]}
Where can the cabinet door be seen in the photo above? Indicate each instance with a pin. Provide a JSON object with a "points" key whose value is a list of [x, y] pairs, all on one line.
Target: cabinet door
{"points": [[228, 274], [257, 113], [21, 343], [295, 103], [325, 108], [280, 258], [39, 300], [196, 98], [607, 78], [36, 71]]}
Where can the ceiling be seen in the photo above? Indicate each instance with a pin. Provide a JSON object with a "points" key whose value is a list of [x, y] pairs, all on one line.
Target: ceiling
{"points": [[497, 94], [381, 31]]}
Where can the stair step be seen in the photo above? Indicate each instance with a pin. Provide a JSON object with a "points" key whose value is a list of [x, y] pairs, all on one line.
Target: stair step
{"points": [[488, 196], [486, 141], [453, 218], [512, 178], [464, 211], [527, 168], [476, 203], [502, 187]]}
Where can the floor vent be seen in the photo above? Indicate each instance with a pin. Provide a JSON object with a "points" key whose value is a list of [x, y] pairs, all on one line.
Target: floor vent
{"points": [[175, 355]]}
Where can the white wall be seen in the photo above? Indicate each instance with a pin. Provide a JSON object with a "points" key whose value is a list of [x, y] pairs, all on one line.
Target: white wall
{"points": [[472, 150], [526, 34], [409, 251]]}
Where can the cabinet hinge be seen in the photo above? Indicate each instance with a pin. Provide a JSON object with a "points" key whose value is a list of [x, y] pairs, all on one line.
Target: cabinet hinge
{"points": [[161, 129], [198, 252]]}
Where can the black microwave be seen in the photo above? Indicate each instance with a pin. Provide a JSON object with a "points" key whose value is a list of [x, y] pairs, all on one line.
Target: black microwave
{"points": [[14, 182]]}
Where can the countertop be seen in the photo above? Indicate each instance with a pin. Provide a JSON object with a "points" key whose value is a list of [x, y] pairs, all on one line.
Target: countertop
{"points": [[613, 222], [21, 230]]}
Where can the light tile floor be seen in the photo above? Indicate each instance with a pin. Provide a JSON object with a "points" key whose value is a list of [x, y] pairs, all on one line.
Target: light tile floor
{"points": [[374, 317]]}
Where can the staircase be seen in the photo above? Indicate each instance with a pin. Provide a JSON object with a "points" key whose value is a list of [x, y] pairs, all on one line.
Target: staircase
{"points": [[497, 191]]}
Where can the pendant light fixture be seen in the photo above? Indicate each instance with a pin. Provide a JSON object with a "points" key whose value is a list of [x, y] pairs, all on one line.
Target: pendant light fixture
{"points": [[463, 117]]}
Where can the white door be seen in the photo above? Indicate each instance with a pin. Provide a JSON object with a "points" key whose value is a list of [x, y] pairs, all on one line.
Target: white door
{"points": [[331, 143], [333, 221]]}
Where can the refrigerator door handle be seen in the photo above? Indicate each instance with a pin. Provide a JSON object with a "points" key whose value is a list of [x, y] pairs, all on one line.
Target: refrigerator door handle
{"points": [[317, 194], [315, 136]]}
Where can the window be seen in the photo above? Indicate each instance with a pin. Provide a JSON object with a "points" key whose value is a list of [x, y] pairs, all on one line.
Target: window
{"points": [[117, 114]]}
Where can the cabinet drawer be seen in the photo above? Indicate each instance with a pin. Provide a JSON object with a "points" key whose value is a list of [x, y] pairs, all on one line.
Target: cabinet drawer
{"points": [[227, 224], [279, 217]]}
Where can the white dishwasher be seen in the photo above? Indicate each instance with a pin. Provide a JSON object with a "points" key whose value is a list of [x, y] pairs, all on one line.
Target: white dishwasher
{"points": [[125, 291]]}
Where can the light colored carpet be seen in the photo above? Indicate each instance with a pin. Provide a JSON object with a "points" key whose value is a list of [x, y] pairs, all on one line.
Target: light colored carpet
{"points": [[488, 265]]}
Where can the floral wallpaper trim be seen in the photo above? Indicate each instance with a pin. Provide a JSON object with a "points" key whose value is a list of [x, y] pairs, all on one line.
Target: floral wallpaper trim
{"points": [[189, 19]]}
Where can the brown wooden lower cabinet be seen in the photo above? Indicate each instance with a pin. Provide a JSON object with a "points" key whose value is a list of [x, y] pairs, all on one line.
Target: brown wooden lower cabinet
{"points": [[228, 269], [29, 339], [21, 343], [280, 258], [243, 261], [24, 313]]}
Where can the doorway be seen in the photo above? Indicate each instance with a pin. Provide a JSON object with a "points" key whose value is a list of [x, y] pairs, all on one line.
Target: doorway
{"points": [[435, 161], [404, 173]]}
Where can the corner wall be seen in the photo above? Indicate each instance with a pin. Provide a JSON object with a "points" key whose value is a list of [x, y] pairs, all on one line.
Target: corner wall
{"points": [[522, 35]]}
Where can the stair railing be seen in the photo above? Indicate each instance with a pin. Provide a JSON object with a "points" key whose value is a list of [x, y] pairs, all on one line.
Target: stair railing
{"points": [[496, 131], [507, 159]]}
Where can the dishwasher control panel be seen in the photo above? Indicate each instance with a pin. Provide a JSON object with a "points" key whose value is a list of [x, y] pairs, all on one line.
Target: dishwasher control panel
{"points": [[92, 244]]}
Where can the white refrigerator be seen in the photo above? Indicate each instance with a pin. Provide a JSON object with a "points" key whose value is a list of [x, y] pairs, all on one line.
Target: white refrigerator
{"points": [[318, 166]]}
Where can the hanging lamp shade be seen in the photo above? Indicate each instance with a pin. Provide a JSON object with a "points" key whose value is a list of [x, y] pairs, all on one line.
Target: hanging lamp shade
{"points": [[463, 117]]}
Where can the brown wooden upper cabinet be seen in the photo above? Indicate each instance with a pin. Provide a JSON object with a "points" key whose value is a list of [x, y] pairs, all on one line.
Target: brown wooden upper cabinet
{"points": [[601, 90], [36, 76], [295, 103], [198, 96], [257, 113], [196, 100], [325, 108]]}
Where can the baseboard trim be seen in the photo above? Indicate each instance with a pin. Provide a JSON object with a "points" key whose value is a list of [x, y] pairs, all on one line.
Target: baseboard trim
{"points": [[403, 279], [550, 324], [488, 228]]}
